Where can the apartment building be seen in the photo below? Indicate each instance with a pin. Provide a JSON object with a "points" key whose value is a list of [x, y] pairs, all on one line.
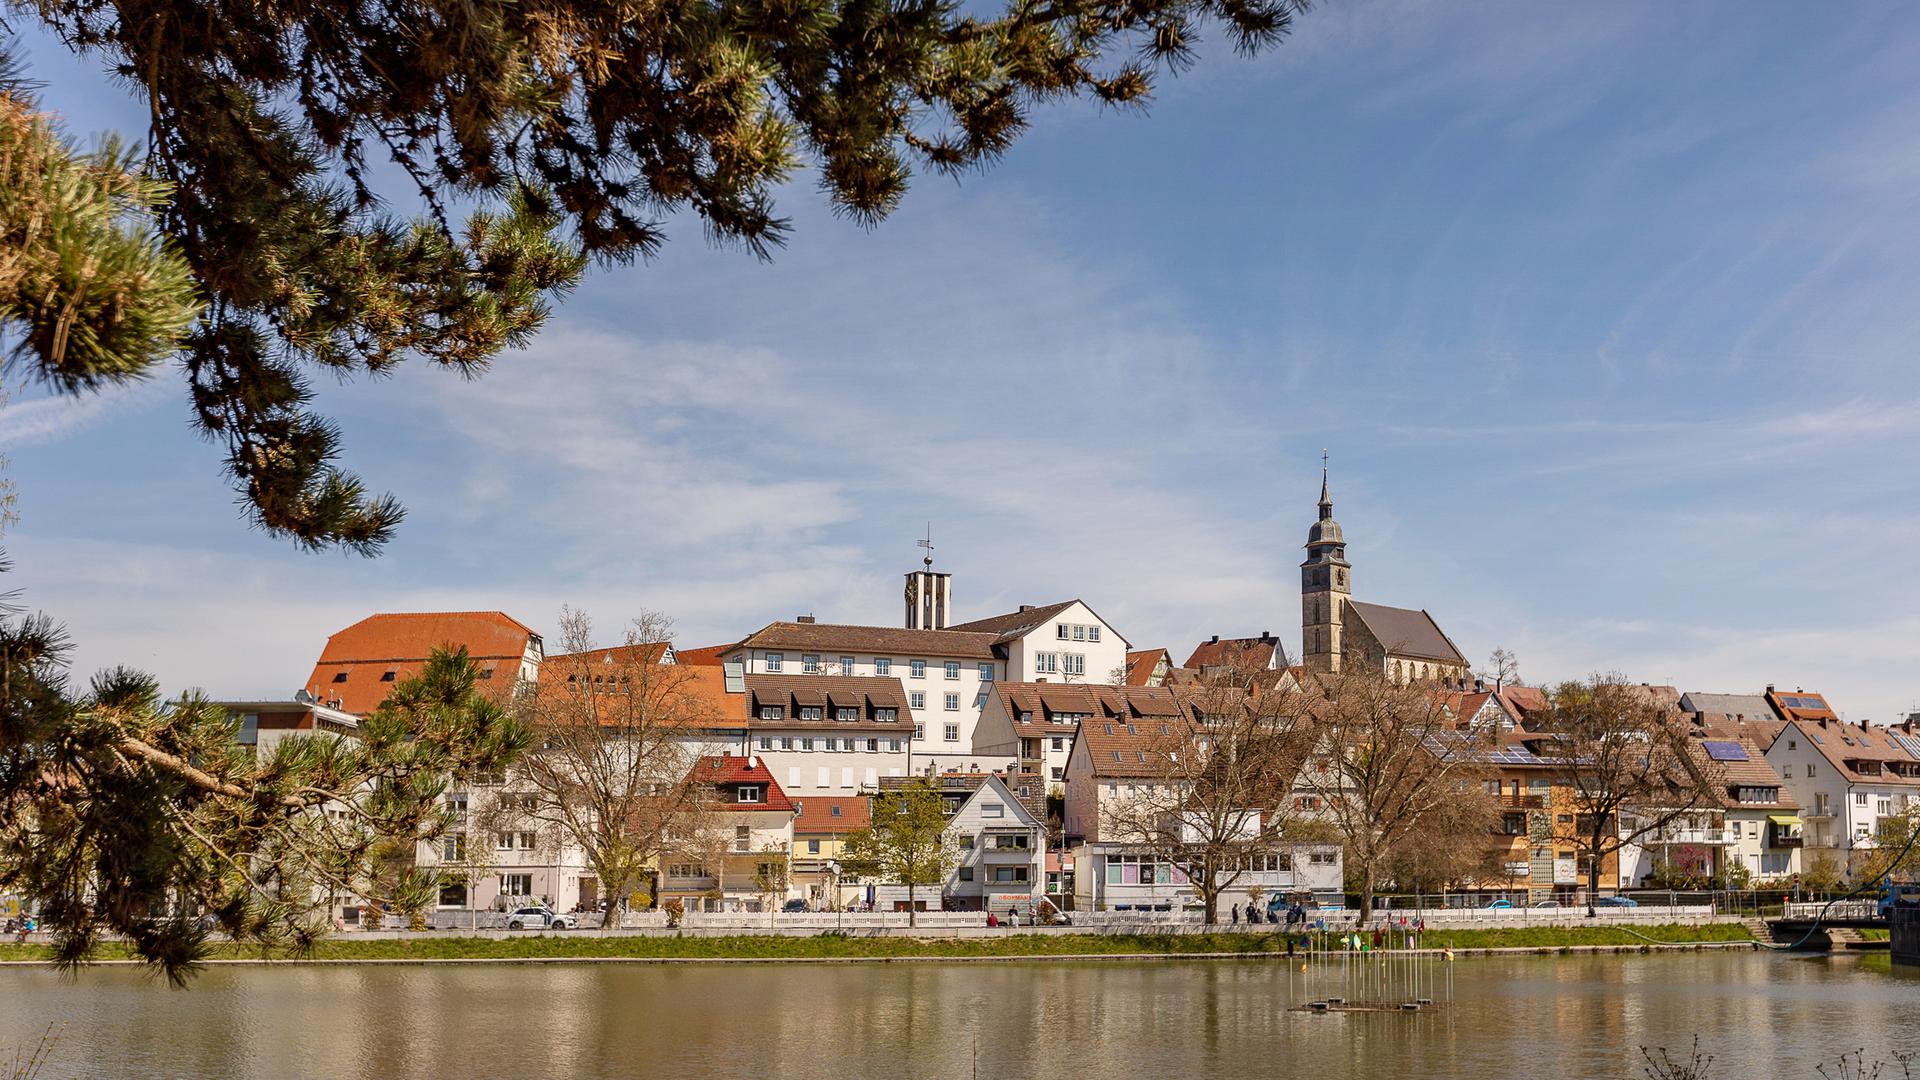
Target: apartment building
{"points": [[1845, 778], [821, 825], [748, 823], [828, 734], [1115, 761], [360, 664], [947, 672]]}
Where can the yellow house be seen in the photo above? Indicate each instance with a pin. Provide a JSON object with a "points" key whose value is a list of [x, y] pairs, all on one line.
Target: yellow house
{"points": [[820, 828]]}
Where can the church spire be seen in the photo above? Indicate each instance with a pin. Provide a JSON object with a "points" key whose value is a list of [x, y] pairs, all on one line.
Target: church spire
{"points": [[1326, 498]]}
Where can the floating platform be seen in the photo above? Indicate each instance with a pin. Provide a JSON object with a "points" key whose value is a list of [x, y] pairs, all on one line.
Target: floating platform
{"points": [[1341, 1005]]}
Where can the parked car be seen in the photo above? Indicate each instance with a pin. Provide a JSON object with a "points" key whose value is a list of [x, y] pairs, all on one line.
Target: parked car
{"points": [[795, 904], [1500, 905], [539, 918], [1616, 901], [1547, 904]]}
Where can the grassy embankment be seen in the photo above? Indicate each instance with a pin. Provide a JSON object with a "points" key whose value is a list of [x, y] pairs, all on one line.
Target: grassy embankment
{"points": [[586, 945]]}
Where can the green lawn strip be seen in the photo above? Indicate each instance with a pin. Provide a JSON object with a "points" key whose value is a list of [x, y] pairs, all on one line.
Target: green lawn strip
{"points": [[1875, 935], [586, 945], [1540, 937]]}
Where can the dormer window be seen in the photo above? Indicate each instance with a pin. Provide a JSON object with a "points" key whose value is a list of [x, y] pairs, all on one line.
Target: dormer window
{"points": [[387, 676], [811, 712], [773, 712], [849, 714], [750, 793], [886, 716], [339, 676]]}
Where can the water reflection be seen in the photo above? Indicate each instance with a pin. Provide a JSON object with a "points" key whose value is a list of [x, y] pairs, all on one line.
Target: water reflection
{"points": [[1759, 1014]]}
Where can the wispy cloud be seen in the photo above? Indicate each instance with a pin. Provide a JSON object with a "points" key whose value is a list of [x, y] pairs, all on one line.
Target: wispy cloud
{"points": [[44, 420]]}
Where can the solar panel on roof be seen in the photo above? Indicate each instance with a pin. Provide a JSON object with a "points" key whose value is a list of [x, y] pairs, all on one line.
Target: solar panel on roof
{"points": [[1725, 751]]}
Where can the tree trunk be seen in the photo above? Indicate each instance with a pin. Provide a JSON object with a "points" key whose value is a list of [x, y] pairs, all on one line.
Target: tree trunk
{"points": [[1593, 874], [913, 918], [1366, 895]]}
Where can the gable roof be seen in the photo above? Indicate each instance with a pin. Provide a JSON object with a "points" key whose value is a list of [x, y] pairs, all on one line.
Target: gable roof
{"points": [[1734, 774], [1406, 632], [1015, 623], [816, 813], [1844, 745], [1247, 652], [1800, 705], [644, 652], [730, 771], [706, 655], [1750, 706], [360, 664], [873, 640], [1142, 664], [1117, 749]]}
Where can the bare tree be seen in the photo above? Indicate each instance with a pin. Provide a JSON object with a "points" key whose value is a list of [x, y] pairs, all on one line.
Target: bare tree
{"points": [[907, 842], [771, 877], [615, 733], [1216, 781], [1390, 763], [1627, 765], [1453, 848], [1503, 667]]}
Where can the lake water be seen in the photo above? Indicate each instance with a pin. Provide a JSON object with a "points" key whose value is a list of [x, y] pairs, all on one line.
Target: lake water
{"points": [[1761, 1014]]}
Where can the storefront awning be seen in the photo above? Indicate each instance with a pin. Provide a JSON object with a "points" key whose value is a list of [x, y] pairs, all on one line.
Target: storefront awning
{"points": [[1784, 819]]}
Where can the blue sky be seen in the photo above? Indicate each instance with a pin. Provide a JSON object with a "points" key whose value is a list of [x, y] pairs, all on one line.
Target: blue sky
{"points": [[1606, 314]]}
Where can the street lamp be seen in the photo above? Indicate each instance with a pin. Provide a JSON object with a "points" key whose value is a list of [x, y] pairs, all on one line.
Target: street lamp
{"points": [[833, 871]]}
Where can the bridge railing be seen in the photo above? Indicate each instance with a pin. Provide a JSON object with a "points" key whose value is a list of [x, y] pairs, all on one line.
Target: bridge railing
{"points": [[1842, 909]]}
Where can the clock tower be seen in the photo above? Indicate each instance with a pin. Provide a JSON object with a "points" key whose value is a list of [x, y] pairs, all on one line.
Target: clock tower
{"points": [[1325, 586]]}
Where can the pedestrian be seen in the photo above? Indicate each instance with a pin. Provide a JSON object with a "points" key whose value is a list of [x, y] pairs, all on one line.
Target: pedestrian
{"points": [[993, 921], [1236, 914], [1013, 915]]}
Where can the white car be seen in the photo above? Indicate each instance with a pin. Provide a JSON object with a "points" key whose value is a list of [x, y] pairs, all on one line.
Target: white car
{"points": [[539, 918]]}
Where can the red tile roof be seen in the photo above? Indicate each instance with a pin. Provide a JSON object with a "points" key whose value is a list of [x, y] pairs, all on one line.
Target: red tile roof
{"points": [[1141, 665], [705, 656], [645, 652], [729, 772], [872, 640], [817, 813], [1247, 652], [354, 667]]}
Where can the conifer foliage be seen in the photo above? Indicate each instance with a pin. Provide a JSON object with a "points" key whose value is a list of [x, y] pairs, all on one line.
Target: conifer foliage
{"points": [[122, 814], [557, 130]]}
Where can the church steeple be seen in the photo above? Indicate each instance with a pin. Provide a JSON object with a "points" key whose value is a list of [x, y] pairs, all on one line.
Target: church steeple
{"points": [[1326, 499], [1324, 586]]}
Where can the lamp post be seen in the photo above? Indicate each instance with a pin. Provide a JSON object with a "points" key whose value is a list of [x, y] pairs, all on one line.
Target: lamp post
{"points": [[833, 871]]}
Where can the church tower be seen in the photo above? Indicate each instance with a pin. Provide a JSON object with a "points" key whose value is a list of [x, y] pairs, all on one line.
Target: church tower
{"points": [[1325, 585]]}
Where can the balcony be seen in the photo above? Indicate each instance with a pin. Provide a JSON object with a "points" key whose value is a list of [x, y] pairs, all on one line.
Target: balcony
{"points": [[1702, 837], [1515, 800]]}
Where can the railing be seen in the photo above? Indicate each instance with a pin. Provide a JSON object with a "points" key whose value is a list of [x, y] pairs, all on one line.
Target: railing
{"points": [[1703, 837], [1841, 909], [1515, 801]]}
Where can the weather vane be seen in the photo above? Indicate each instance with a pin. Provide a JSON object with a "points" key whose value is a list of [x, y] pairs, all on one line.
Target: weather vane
{"points": [[928, 544]]}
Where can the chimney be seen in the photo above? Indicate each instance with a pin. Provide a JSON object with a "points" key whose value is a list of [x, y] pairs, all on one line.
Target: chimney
{"points": [[1266, 636], [1479, 685], [1769, 688], [1214, 640], [803, 618], [1026, 607]]}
